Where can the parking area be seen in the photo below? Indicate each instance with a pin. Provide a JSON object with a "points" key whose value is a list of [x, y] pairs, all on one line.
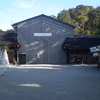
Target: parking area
{"points": [[50, 82]]}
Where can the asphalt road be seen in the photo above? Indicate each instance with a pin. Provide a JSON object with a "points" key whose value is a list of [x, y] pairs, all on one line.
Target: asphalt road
{"points": [[51, 82]]}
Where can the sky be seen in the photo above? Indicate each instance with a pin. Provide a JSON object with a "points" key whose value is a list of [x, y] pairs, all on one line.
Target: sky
{"points": [[12, 11]]}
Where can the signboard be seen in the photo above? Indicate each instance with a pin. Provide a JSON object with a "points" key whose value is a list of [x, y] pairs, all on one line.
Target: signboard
{"points": [[95, 54], [93, 49], [99, 47], [42, 34]]}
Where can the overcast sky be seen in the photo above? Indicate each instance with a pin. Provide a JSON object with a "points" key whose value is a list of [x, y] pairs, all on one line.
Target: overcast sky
{"points": [[12, 11]]}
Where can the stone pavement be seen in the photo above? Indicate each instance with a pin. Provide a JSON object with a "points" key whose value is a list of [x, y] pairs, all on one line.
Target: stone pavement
{"points": [[51, 82]]}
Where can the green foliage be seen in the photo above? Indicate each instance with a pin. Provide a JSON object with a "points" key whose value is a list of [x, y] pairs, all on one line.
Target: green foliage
{"points": [[11, 30], [85, 18], [4, 47], [1, 30], [53, 16], [65, 16]]}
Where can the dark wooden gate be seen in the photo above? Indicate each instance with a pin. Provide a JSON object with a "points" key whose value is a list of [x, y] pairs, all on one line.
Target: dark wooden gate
{"points": [[22, 58]]}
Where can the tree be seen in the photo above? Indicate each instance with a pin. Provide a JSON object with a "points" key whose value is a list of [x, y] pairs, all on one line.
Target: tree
{"points": [[94, 17], [93, 23], [53, 16], [64, 16], [85, 18], [1, 30], [10, 30]]}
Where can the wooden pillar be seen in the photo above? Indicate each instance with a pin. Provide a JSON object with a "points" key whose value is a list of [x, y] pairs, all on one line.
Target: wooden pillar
{"points": [[76, 58], [82, 58], [68, 56], [98, 66]]}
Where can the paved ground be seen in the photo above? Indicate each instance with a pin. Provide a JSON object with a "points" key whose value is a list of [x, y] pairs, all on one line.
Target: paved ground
{"points": [[51, 82]]}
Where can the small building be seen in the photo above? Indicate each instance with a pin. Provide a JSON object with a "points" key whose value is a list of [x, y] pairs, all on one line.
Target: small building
{"points": [[77, 48], [9, 39], [41, 38]]}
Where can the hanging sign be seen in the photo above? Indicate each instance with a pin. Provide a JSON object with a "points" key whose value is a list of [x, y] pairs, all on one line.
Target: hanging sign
{"points": [[42, 34]]}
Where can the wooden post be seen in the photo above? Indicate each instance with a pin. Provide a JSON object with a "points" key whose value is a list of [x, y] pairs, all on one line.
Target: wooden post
{"points": [[82, 58], [98, 66], [68, 56]]}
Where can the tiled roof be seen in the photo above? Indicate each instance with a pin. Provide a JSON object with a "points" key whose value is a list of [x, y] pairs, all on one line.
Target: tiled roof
{"points": [[83, 41], [86, 36], [8, 38]]}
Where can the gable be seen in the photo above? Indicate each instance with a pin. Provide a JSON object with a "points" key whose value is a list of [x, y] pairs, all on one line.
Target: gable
{"points": [[43, 17]]}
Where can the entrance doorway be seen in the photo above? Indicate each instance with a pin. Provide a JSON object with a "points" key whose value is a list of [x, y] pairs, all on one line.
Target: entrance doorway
{"points": [[22, 58]]}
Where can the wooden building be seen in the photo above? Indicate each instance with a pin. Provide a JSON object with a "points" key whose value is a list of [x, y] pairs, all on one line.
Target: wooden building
{"points": [[46, 40], [77, 48], [9, 39], [41, 38]]}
